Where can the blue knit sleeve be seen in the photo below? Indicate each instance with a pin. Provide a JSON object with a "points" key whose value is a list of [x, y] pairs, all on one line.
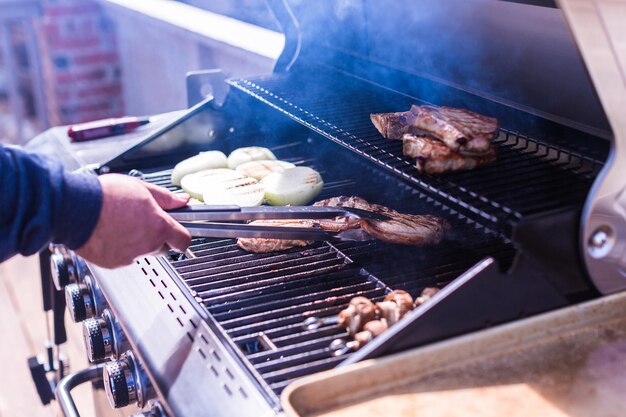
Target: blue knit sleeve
{"points": [[40, 202]]}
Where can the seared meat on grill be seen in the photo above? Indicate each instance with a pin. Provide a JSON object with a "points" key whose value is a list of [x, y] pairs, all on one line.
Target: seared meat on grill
{"points": [[353, 202], [442, 139], [407, 229], [262, 245], [434, 157], [460, 129], [393, 125], [349, 202], [342, 223]]}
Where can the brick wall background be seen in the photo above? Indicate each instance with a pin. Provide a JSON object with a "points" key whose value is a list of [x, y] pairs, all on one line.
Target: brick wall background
{"points": [[80, 62]]}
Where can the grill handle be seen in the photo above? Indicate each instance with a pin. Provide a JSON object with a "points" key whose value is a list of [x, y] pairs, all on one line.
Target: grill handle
{"points": [[64, 397], [293, 38]]}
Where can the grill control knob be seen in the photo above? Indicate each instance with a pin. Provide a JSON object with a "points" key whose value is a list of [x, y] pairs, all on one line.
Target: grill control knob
{"points": [[66, 267], [103, 337], [125, 382], [79, 302], [119, 383], [62, 268]]}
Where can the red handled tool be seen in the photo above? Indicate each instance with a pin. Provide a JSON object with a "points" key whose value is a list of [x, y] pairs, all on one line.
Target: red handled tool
{"points": [[106, 127]]}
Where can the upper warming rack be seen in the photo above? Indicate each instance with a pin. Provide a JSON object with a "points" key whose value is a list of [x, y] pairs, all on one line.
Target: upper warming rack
{"points": [[530, 176]]}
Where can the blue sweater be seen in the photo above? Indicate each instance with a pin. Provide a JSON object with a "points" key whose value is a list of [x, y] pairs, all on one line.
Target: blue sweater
{"points": [[40, 202]]}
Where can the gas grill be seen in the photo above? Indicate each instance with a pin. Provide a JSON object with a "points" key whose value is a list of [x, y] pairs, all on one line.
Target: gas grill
{"points": [[222, 331]]}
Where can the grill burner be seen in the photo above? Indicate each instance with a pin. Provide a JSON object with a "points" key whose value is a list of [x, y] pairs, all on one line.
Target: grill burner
{"points": [[529, 176]]}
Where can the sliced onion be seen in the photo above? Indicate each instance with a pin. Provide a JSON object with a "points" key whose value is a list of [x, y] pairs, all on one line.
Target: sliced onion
{"points": [[243, 192], [250, 153], [204, 160], [292, 187], [195, 184], [261, 169]]}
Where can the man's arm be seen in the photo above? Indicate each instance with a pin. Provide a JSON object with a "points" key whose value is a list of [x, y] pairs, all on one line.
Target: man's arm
{"points": [[109, 220], [41, 202]]}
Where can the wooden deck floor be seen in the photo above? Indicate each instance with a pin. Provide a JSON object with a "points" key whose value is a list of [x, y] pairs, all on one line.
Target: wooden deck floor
{"points": [[23, 332]]}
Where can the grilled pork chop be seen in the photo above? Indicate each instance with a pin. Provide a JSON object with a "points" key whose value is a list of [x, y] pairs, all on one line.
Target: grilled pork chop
{"points": [[339, 224], [460, 129], [434, 157], [393, 125], [408, 229], [354, 202], [263, 245]]}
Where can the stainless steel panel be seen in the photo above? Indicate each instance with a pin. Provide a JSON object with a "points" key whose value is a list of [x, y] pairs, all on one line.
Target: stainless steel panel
{"points": [[191, 370]]}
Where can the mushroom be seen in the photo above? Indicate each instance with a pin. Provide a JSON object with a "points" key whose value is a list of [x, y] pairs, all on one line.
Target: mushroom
{"points": [[427, 294], [359, 311], [403, 299]]}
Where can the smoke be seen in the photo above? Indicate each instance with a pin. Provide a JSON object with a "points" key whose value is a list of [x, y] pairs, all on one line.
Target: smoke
{"points": [[519, 55]]}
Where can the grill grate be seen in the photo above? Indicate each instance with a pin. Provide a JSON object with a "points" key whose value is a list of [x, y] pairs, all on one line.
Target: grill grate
{"points": [[259, 301], [530, 176]]}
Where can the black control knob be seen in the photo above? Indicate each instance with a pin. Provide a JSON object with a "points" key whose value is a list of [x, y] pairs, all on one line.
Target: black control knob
{"points": [[119, 383], [66, 268], [62, 269], [98, 339], [126, 383], [103, 337], [79, 302]]}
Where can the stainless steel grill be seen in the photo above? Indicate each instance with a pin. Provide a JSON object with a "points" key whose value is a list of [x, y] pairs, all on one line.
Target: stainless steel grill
{"points": [[260, 301], [232, 322]]}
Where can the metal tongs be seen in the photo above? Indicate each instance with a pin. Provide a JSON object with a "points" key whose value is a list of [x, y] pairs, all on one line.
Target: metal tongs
{"points": [[230, 222]]}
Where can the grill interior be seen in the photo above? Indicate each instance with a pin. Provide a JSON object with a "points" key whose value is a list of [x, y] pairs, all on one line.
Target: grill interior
{"points": [[258, 302], [530, 175]]}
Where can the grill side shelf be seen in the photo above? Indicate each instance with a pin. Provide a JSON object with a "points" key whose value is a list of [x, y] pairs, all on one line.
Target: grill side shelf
{"points": [[529, 177]]}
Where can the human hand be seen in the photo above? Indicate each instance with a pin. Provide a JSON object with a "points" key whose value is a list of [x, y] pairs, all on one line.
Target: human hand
{"points": [[133, 222]]}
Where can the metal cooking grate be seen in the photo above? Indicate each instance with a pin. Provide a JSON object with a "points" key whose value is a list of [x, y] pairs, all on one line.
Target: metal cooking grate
{"points": [[259, 301], [529, 176]]}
